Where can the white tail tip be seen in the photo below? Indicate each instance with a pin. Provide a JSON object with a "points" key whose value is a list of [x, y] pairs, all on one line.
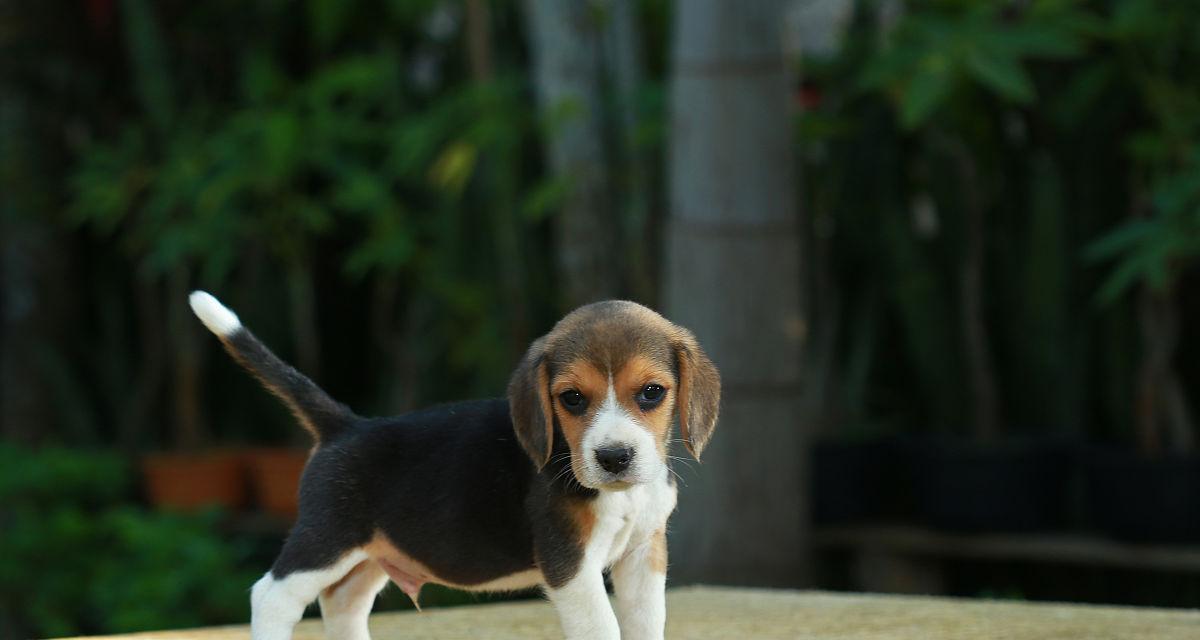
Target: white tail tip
{"points": [[216, 316]]}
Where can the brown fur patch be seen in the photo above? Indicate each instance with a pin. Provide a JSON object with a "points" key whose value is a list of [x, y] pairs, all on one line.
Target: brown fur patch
{"points": [[658, 552], [583, 377], [530, 406], [628, 382], [584, 519], [543, 399]]}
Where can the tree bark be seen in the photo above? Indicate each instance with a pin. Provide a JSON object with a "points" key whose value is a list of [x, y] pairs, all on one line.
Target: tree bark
{"points": [[985, 403], [147, 391], [565, 40], [189, 429], [501, 181], [733, 277], [479, 40], [302, 298], [622, 54], [1163, 417]]}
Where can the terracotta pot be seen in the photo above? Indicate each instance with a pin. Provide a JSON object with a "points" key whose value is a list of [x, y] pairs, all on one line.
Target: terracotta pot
{"points": [[194, 480], [275, 477]]}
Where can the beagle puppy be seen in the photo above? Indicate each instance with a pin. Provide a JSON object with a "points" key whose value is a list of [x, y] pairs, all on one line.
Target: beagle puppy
{"points": [[566, 478]]}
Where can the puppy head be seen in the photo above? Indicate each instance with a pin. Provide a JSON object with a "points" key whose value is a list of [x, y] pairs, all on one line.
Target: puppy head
{"points": [[607, 380]]}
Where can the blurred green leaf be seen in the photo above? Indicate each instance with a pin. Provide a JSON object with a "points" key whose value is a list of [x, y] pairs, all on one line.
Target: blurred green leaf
{"points": [[1120, 239], [388, 247], [280, 146], [927, 90], [327, 20], [545, 198], [1152, 250], [1002, 74], [261, 79], [453, 166], [147, 51]]}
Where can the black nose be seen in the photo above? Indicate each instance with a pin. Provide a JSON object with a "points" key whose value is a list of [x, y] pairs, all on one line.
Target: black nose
{"points": [[614, 459]]}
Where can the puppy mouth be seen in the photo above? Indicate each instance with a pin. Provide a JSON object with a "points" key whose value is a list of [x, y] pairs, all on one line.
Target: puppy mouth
{"points": [[608, 481], [618, 481]]}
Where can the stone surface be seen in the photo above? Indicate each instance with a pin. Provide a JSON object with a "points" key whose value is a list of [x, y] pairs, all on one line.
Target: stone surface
{"points": [[705, 612]]}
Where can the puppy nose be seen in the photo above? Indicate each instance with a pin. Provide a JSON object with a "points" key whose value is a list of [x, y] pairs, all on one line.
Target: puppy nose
{"points": [[614, 459]]}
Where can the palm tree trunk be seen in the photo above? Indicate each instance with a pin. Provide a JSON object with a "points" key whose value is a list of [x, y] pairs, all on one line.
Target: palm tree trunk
{"points": [[622, 54], [734, 277], [565, 39]]}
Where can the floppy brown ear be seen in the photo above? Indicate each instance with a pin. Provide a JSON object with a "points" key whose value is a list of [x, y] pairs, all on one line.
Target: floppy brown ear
{"points": [[529, 405], [699, 396]]}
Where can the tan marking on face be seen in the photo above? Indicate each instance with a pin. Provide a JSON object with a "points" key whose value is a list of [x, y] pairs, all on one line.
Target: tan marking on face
{"points": [[658, 552], [628, 383], [593, 384]]}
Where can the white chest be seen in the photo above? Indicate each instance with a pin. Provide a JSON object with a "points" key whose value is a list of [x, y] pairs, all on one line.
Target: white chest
{"points": [[625, 519]]}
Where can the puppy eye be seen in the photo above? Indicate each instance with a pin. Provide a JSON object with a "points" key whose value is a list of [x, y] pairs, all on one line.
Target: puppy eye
{"points": [[650, 396], [573, 400]]}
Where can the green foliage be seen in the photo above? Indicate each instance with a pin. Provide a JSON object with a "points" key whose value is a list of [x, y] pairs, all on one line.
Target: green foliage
{"points": [[1156, 62], [1067, 112], [149, 55], [422, 188], [79, 559], [947, 48], [29, 480], [205, 190], [239, 145], [1152, 250]]}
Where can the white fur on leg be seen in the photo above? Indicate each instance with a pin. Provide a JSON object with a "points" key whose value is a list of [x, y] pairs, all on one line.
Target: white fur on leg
{"points": [[583, 607], [641, 595], [346, 606], [276, 605], [626, 522], [216, 316]]}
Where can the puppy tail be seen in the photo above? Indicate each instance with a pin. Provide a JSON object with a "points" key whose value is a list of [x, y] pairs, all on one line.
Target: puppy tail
{"points": [[322, 416]]}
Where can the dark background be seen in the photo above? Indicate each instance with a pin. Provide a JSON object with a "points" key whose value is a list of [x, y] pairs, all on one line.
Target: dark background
{"points": [[944, 253]]}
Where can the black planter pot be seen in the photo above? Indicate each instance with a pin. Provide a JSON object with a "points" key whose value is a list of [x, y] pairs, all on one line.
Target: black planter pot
{"points": [[1007, 487], [1139, 499], [852, 482]]}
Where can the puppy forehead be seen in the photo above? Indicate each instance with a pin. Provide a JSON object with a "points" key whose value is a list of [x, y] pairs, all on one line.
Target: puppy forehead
{"points": [[609, 336], [588, 376]]}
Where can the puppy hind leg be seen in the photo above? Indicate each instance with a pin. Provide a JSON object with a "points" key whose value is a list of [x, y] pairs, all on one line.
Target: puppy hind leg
{"points": [[277, 602], [346, 605]]}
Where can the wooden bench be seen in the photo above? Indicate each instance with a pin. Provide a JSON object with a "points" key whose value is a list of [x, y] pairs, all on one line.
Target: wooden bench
{"points": [[759, 614]]}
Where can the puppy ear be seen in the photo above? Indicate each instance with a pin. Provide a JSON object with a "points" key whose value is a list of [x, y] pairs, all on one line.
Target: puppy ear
{"points": [[529, 404], [699, 396]]}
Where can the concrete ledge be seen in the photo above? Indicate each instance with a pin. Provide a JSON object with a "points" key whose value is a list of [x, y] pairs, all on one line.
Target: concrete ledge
{"points": [[760, 614]]}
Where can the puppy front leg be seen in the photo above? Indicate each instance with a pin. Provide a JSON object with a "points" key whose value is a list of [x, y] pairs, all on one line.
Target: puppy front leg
{"points": [[640, 581], [583, 607]]}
